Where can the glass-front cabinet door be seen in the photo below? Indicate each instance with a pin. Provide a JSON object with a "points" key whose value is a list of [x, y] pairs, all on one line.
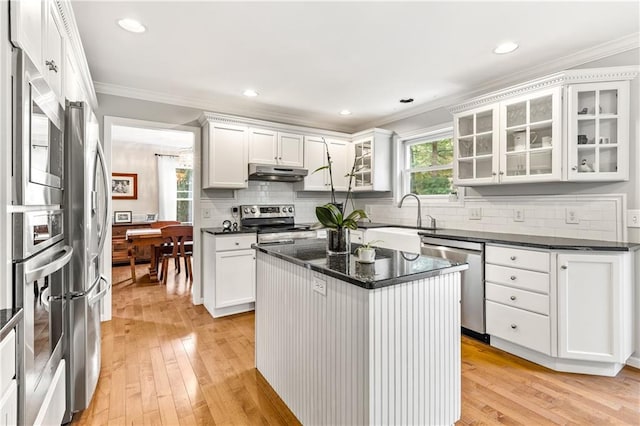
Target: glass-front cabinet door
{"points": [[476, 146], [363, 151], [530, 137], [598, 133]]}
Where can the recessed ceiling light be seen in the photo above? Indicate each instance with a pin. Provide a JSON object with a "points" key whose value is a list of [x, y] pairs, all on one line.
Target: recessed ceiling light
{"points": [[131, 25], [406, 100], [506, 47], [250, 93], [345, 112]]}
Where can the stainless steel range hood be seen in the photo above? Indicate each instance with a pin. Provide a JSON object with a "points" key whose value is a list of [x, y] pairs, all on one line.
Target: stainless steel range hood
{"points": [[276, 173]]}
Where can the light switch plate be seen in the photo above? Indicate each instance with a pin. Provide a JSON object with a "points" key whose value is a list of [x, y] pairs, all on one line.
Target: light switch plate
{"points": [[206, 213], [633, 218], [475, 214], [320, 286]]}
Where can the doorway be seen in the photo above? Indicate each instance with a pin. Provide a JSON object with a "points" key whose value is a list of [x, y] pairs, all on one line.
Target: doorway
{"points": [[137, 150]]}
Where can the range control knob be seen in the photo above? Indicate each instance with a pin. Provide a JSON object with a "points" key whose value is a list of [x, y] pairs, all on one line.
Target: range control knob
{"points": [[283, 209], [253, 209], [246, 209], [290, 209]]}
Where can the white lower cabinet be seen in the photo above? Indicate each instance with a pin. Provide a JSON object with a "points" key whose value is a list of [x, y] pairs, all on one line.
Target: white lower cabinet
{"points": [[595, 307], [54, 405], [576, 317], [229, 273], [9, 405], [8, 385], [517, 297]]}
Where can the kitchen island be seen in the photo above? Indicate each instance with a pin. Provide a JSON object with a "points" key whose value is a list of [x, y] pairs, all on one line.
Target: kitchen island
{"points": [[344, 342]]}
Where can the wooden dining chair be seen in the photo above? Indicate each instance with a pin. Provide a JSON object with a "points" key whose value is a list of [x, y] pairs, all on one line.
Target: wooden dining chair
{"points": [[181, 238], [158, 251]]}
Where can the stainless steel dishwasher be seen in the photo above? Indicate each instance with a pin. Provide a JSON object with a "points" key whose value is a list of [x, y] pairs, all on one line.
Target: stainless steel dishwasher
{"points": [[472, 284]]}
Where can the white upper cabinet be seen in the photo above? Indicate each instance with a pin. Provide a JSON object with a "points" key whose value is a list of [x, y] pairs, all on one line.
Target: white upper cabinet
{"points": [[475, 147], [371, 151], [571, 126], [513, 141], [530, 137], [598, 137], [224, 156], [278, 148], [36, 27], [27, 27], [315, 156]]}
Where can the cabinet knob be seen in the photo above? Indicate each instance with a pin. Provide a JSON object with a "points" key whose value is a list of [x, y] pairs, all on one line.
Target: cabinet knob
{"points": [[501, 173], [512, 277], [493, 173], [512, 258], [275, 158], [51, 65], [279, 158], [574, 168], [237, 243], [512, 298], [564, 267], [513, 326]]}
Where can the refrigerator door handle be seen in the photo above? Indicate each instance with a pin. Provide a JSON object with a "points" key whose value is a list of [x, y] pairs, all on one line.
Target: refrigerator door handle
{"points": [[107, 190], [101, 293], [48, 269]]}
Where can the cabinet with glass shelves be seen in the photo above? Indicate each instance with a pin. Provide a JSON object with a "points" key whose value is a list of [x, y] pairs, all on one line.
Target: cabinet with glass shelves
{"points": [[476, 146], [598, 131], [371, 150], [530, 136]]}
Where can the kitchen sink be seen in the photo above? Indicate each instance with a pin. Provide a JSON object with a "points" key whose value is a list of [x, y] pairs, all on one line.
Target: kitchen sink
{"points": [[403, 239]]}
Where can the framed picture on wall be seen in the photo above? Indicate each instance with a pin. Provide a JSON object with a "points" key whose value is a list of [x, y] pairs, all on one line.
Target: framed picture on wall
{"points": [[124, 186], [122, 217]]}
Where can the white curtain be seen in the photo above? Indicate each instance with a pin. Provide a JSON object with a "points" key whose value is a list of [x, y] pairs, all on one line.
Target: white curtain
{"points": [[167, 204]]}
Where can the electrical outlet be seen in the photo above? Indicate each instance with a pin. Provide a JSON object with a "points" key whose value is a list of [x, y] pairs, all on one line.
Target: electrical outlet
{"points": [[320, 286], [206, 213], [571, 216], [475, 214], [367, 210], [633, 218], [518, 215]]}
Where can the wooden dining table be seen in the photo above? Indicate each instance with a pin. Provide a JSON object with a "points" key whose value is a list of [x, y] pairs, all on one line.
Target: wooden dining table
{"points": [[143, 237]]}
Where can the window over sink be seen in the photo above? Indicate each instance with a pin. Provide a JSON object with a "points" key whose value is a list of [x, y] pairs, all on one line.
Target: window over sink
{"points": [[427, 164]]}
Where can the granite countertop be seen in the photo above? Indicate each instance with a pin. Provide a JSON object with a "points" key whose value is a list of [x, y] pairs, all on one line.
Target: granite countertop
{"points": [[534, 241], [9, 318], [221, 231], [390, 267]]}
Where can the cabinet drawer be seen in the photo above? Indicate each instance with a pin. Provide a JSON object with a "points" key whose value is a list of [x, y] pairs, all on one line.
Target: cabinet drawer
{"points": [[9, 405], [519, 278], [517, 298], [8, 357], [518, 258], [519, 326], [234, 242]]}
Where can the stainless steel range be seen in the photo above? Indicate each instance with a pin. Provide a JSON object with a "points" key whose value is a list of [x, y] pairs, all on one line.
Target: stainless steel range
{"points": [[274, 223]]}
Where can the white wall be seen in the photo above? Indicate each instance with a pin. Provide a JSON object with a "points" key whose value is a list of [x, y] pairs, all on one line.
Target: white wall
{"points": [[140, 159]]}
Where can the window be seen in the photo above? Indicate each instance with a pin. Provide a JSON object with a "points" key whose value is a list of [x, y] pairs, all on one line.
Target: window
{"points": [[428, 164], [184, 189]]}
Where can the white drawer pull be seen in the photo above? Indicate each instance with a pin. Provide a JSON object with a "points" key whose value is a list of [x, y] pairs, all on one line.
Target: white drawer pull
{"points": [[512, 258], [512, 298], [564, 267], [513, 277], [513, 326]]}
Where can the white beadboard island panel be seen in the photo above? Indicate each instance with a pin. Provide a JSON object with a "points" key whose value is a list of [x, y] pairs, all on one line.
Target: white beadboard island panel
{"points": [[355, 356]]}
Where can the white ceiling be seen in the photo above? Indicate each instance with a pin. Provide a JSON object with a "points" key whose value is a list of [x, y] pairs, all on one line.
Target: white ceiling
{"points": [[309, 60]]}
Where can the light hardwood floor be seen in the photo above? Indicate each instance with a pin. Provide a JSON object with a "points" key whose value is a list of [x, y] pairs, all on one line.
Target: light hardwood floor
{"points": [[165, 361]]}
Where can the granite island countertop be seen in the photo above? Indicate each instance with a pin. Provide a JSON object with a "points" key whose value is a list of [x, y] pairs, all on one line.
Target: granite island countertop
{"points": [[390, 267], [533, 241]]}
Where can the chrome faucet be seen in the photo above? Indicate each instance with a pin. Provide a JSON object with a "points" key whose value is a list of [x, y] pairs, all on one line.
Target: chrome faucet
{"points": [[419, 221]]}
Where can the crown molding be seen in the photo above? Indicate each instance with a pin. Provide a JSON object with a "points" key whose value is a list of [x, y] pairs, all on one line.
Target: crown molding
{"points": [[603, 50], [77, 49], [213, 117]]}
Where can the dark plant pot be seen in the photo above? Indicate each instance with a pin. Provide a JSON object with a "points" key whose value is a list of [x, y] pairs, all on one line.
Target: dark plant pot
{"points": [[338, 241]]}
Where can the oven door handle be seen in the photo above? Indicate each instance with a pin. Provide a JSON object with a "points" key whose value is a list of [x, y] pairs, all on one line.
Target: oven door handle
{"points": [[49, 268]]}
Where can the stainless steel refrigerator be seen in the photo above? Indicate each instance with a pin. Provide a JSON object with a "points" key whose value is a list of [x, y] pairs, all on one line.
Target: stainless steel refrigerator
{"points": [[86, 202]]}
